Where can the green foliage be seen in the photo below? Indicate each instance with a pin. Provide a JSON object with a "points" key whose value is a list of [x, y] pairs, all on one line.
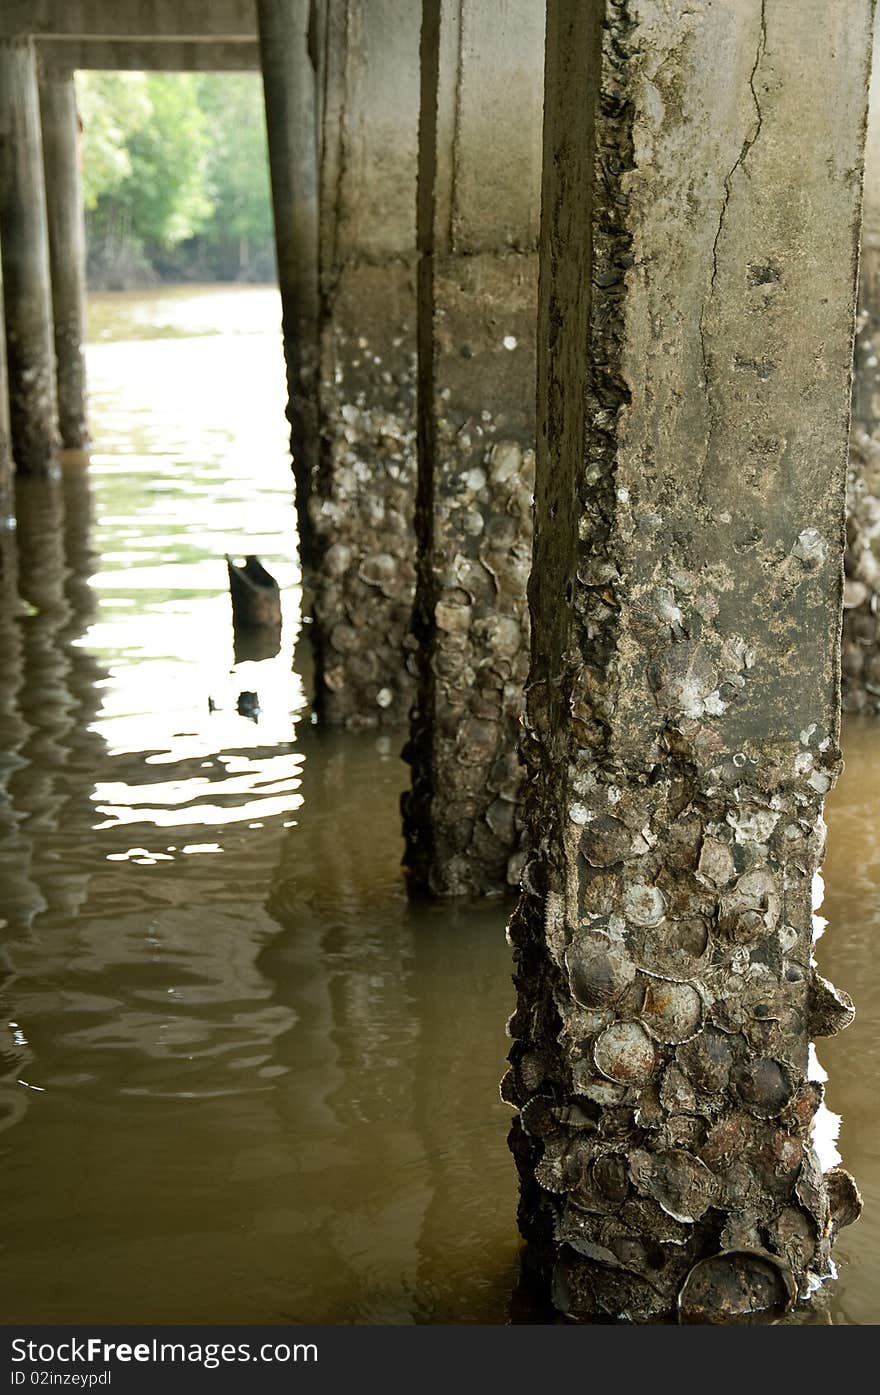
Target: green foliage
{"points": [[237, 168], [166, 191], [112, 107], [175, 175]]}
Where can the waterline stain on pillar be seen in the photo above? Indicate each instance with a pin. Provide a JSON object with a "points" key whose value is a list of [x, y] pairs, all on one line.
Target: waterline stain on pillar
{"points": [[479, 208], [290, 86], [67, 248], [361, 508], [701, 195], [25, 250]]}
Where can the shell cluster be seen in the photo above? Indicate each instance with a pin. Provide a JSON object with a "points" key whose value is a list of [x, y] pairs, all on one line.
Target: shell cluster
{"points": [[361, 504], [664, 1097], [474, 517], [32, 397]]}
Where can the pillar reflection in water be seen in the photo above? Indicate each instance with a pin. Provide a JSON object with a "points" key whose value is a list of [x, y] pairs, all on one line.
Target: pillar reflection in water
{"points": [[142, 1031], [404, 1203], [49, 698]]}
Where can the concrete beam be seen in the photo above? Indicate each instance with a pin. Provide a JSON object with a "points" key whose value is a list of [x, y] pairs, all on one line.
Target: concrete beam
{"points": [[129, 19], [362, 500], [479, 202], [149, 55], [702, 188]]}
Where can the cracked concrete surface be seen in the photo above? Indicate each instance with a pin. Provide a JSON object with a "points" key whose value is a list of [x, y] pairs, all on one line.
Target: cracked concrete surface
{"points": [[747, 144]]}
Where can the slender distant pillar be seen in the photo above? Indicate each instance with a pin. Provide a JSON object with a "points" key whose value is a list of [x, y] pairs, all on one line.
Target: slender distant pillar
{"points": [[479, 205], [288, 52], [683, 702], [861, 593], [363, 496], [25, 249], [67, 248], [7, 502]]}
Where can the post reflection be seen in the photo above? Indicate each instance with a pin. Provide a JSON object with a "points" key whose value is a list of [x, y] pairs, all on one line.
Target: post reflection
{"points": [[47, 745], [132, 1010], [405, 1192]]}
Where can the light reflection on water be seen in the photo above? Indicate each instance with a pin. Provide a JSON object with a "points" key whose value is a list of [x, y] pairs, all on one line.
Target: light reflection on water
{"points": [[246, 1081], [242, 1079]]}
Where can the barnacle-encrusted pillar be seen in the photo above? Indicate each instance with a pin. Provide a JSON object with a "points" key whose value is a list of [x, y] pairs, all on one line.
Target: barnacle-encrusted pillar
{"points": [[290, 59], [479, 209], [27, 288], [67, 248], [683, 710], [362, 501], [861, 593]]}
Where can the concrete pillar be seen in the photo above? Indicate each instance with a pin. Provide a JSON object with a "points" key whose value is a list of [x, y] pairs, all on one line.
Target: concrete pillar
{"points": [[7, 503], [683, 711], [288, 56], [362, 501], [25, 250], [479, 202], [67, 248], [861, 596]]}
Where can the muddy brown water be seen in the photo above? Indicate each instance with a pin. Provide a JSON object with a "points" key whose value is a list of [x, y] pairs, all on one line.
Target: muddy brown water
{"points": [[242, 1079]]}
